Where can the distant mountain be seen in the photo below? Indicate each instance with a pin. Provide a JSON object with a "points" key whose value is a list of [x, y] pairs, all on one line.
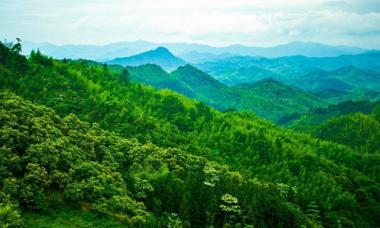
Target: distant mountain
{"points": [[309, 49], [346, 83], [335, 78], [113, 50], [286, 68], [196, 57], [159, 56], [274, 100]]}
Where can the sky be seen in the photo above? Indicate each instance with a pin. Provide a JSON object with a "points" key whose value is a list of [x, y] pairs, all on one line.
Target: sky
{"points": [[213, 22]]}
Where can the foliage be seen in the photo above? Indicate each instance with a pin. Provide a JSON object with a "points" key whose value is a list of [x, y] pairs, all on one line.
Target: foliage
{"points": [[186, 156], [359, 131]]}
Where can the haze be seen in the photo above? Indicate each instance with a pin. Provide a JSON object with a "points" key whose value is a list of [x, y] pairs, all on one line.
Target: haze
{"points": [[215, 22]]}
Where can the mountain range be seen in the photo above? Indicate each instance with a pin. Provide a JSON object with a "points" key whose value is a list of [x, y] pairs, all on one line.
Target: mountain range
{"points": [[335, 78], [190, 52], [267, 98], [273, 88]]}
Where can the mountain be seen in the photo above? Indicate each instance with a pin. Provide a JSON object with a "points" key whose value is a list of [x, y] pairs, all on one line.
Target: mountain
{"points": [[155, 76], [91, 52], [342, 79], [113, 50], [194, 83], [275, 100], [287, 68], [188, 81], [346, 83], [243, 75], [337, 79], [310, 49], [269, 99], [159, 56], [196, 57], [207, 88], [80, 140]]}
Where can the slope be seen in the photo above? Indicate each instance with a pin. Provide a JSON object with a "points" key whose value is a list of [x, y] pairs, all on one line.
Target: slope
{"points": [[275, 100], [358, 130], [344, 82], [306, 172], [193, 83], [56, 167], [310, 120], [207, 89]]}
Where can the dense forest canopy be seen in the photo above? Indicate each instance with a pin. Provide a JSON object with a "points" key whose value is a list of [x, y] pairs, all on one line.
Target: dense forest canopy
{"points": [[81, 138]]}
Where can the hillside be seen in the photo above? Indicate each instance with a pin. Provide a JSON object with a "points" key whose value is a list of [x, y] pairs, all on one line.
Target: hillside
{"points": [[242, 75], [207, 88], [91, 172], [359, 131], [159, 56], [155, 76], [275, 100], [310, 120], [342, 83], [193, 165]]}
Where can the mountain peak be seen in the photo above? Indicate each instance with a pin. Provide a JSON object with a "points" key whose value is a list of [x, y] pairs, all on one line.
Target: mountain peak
{"points": [[160, 56], [162, 49]]}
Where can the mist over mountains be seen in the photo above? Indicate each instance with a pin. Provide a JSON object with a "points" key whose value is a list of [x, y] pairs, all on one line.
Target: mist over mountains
{"points": [[190, 52]]}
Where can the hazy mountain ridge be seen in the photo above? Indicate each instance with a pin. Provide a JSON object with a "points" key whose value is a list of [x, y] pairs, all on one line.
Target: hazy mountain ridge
{"points": [[205, 52], [336, 78], [160, 56]]}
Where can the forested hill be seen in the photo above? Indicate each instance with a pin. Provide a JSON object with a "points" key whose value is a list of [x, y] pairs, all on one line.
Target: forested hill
{"points": [[191, 165], [275, 100], [310, 120], [268, 98]]}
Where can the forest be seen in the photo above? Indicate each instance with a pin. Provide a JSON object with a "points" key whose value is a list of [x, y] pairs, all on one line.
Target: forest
{"points": [[83, 145]]}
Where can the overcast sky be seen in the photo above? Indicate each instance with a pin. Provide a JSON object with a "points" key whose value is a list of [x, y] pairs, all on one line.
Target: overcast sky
{"points": [[214, 22]]}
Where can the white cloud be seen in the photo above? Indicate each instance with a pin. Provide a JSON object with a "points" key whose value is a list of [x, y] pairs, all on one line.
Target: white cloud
{"points": [[218, 22]]}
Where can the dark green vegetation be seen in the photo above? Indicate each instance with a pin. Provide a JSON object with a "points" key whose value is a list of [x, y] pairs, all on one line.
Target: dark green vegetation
{"points": [[160, 56], [112, 151], [359, 131], [308, 121], [274, 100], [355, 124], [267, 98]]}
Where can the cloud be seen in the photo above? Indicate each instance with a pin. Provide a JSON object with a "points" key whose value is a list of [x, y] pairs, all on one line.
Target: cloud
{"points": [[217, 22]]}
